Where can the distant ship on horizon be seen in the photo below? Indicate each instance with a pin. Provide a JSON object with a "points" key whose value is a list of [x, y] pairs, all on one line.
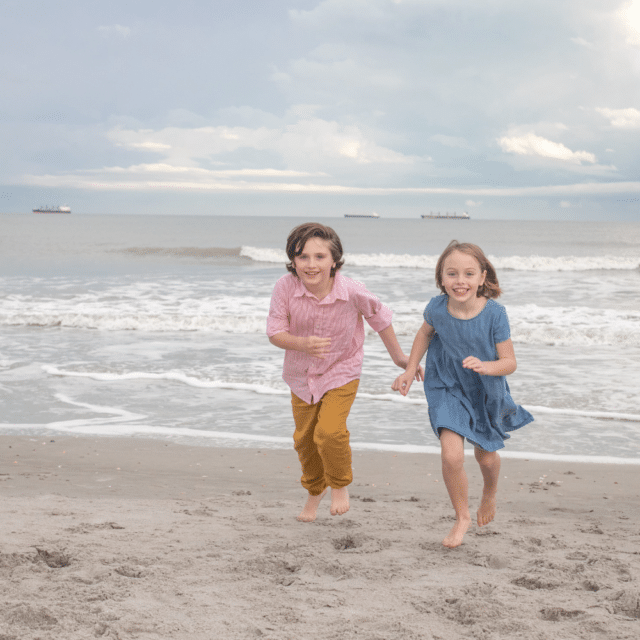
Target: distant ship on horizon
{"points": [[361, 215], [52, 209], [438, 216]]}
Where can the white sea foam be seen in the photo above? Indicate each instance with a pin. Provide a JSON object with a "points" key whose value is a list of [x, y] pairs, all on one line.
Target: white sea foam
{"points": [[119, 427], [163, 306], [530, 324], [264, 255], [174, 376], [566, 263], [577, 326], [178, 376], [600, 415], [139, 322], [517, 263], [504, 453]]}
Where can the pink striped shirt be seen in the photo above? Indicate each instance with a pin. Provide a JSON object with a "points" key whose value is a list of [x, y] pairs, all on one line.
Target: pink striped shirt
{"points": [[338, 316]]}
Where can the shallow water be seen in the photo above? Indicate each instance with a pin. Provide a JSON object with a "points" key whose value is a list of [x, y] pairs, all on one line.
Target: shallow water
{"points": [[155, 326]]}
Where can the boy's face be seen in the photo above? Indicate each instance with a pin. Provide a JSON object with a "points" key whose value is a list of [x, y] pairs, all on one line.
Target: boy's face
{"points": [[314, 265]]}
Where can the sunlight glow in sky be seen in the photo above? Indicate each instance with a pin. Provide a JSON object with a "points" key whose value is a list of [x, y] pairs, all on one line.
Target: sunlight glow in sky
{"points": [[631, 16]]}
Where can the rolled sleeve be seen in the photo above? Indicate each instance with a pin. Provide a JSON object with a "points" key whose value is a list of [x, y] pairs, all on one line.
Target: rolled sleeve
{"points": [[381, 319], [377, 315]]}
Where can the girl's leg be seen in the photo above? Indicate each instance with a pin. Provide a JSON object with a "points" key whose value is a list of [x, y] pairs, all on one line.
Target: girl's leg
{"points": [[455, 478], [489, 462]]}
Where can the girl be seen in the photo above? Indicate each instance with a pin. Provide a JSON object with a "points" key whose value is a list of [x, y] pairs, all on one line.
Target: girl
{"points": [[316, 316], [469, 354]]}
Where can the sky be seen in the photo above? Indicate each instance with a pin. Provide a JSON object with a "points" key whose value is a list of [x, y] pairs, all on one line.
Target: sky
{"points": [[505, 109]]}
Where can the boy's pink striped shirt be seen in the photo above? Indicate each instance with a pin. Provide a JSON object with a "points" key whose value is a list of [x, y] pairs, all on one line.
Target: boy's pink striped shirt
{"points": [[338, 316]]}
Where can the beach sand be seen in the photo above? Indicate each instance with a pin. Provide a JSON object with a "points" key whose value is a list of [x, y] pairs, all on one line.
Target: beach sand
{"points": [[133, 538]]}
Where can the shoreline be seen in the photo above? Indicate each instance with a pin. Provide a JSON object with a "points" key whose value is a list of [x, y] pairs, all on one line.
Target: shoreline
{"points": [[285, 443], [140, 538]]}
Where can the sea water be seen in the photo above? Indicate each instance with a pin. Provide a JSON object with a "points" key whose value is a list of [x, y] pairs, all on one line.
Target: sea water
{"points": [[154, 326]]}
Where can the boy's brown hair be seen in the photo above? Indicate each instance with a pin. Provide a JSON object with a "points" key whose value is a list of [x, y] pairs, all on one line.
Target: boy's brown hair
{"points": [[299, 236], [490, 288]]}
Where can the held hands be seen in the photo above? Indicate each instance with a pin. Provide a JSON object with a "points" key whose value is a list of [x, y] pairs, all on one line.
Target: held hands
{"points": [[404, 381], [403, 363], [316, 347]]}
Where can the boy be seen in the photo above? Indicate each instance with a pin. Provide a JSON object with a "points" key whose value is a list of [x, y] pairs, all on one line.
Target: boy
{"points": [[316, 316]]}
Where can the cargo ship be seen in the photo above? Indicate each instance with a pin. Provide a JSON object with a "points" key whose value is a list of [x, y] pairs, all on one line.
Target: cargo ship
{"points": [[447, 216], [48, 209], [361, 215]]}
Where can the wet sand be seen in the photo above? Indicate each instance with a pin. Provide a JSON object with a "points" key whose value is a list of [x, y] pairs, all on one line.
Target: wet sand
{"points": [[131, 538]]}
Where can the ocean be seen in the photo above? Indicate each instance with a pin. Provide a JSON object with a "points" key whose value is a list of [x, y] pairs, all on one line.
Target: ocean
{"points": [[154, 326]]}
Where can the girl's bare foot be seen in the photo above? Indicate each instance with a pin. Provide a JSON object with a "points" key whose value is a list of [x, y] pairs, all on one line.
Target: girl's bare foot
{"points": [[487, 510], [308, 514], [339, 501], [490, 467], [455, 536]]}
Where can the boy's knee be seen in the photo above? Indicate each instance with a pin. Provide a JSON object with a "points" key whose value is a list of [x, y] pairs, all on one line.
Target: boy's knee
{"points": [[329, 437]]}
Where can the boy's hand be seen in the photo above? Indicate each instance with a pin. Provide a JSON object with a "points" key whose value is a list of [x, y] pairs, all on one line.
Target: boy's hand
{"points": [[317, 347], [404, 361], [403, 383], [475, 364]]}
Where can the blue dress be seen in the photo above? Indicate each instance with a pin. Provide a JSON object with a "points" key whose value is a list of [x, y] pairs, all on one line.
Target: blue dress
{"points": [[479, 408]]}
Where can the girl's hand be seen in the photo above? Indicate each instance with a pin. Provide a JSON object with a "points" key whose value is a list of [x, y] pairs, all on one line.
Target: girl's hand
{"points": [[404, 361], [403, 382], [316, 347], [475, 364]]}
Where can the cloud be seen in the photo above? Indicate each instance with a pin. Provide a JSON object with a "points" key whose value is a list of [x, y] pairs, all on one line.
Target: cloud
{"points": [[162, 170], [310, 144], [115, 30], [163, 177], [622, 118], [150, 146], [583, 43], [532, 145], [451, 141]]}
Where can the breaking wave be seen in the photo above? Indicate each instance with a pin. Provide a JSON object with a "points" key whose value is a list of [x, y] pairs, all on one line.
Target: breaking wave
{"points": [[516, 263]]}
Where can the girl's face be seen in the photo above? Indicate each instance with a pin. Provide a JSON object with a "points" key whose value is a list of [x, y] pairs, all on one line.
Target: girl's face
{"points": [[314, 265], [462, 276]]}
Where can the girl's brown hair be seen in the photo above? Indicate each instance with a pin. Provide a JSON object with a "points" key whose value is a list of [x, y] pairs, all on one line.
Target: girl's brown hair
{"points": [[299, 236], [490, 288]]}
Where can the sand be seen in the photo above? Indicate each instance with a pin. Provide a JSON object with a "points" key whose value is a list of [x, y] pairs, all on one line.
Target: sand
{"points": [[131, 538]]}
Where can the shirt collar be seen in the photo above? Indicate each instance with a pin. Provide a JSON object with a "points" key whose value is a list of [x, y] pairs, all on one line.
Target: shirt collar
{"points": [[338, 291]]}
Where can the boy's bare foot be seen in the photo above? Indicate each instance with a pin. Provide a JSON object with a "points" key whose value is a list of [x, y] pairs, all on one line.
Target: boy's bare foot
{"points": [[339, 501], [308, 513], [487, 510], [455, 536]]}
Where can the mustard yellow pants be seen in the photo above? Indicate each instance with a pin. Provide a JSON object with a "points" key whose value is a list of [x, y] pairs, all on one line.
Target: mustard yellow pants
{"points": [[321, 439]]}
